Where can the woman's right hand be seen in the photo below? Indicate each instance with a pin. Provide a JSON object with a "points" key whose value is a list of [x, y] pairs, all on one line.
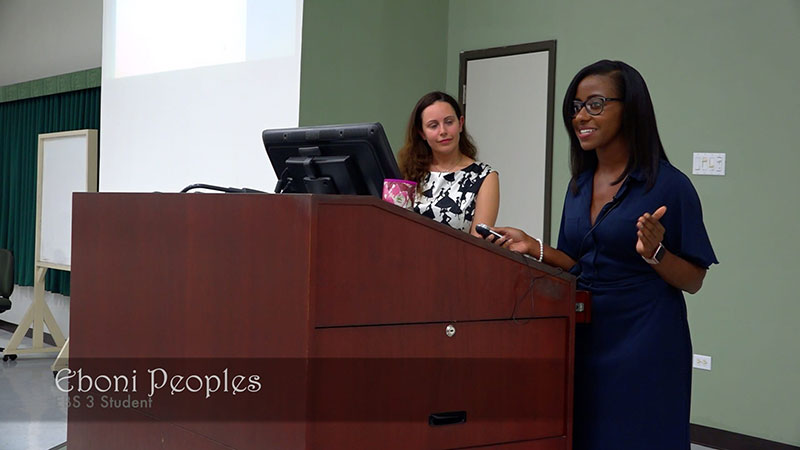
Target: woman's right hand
{"points": [[516, 240]]}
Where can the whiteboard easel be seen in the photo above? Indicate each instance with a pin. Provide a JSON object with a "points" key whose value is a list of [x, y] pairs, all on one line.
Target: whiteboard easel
{"points": [[67, 164]]}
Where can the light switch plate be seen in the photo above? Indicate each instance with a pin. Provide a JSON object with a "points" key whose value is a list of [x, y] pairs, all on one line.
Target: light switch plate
{"points": [[708, 164], [701, 362]]}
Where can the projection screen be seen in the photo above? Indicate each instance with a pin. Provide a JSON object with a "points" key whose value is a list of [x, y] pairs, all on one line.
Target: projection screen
{"points": [[188, 86]]}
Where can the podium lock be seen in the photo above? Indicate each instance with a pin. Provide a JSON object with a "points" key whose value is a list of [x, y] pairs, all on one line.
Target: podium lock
{"points": [[450, 331]]}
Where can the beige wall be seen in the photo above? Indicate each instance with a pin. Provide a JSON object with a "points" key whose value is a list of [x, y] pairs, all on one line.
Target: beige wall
{"points": [[41, 38]]}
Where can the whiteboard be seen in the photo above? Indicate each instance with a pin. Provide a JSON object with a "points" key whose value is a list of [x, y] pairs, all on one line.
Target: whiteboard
{"points": [[67, 164]]}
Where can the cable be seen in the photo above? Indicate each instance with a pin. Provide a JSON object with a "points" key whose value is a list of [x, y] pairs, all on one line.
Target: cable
{"points": [[283, 182], [525, 294], [230, 190]]}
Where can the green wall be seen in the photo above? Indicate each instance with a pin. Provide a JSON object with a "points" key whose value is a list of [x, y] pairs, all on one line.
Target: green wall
{"points": [[722, 74], [371, 60]]}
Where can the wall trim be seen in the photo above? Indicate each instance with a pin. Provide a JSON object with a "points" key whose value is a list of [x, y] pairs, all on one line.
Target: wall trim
{"points": [[74, 81], [728, 440]]}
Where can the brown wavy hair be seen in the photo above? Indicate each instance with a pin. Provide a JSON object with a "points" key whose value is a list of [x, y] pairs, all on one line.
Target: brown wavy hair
{"points": [[415, 156]]}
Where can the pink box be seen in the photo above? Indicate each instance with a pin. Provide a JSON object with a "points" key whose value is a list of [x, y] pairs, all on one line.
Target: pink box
{"points": [[399, 192]]}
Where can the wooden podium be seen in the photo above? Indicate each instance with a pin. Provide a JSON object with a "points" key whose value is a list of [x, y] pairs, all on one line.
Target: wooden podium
{"points": [[366, 325]]}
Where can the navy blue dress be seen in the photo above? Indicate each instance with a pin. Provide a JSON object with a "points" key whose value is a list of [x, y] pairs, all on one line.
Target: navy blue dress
{"points": [[633, 362]]}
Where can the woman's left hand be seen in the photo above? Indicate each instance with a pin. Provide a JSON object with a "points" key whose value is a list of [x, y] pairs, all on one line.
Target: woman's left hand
{"points": [[650, 233]]}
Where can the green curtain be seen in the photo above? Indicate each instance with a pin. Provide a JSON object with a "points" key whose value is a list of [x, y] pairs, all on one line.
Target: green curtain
{"points": [[21, 122]]}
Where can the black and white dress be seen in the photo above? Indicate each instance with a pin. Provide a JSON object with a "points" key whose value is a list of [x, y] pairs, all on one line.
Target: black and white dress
{"points": [[449, 197]]}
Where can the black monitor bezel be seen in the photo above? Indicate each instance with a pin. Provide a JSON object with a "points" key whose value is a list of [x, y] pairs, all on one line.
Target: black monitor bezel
{"points": [[366, 143]]}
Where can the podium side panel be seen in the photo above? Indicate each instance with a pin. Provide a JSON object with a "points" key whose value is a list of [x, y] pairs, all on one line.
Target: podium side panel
{"points": [[194, 284]]}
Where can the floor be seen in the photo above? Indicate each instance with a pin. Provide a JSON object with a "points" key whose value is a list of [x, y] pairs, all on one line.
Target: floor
{"points": [[33, 415]]}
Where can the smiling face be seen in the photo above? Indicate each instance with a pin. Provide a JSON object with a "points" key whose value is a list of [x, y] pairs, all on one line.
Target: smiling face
{"points": [[441, 128], [603, 130]]}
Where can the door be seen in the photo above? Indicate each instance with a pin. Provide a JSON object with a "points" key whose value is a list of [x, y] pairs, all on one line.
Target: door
{"points": [[507, 94]]}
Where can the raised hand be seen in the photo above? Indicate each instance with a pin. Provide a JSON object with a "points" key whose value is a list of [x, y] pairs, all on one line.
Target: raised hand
{"points": [[650, 233]]}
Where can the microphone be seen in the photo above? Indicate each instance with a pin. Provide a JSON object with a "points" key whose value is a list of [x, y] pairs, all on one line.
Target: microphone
{"points": [[614, 202]]}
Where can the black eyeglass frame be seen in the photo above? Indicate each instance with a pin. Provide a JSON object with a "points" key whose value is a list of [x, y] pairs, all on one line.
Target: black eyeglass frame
{"points": [[577, 105]]}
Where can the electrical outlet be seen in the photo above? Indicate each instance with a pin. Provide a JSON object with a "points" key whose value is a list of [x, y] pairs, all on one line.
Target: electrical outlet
{"points": [[702, 362]]}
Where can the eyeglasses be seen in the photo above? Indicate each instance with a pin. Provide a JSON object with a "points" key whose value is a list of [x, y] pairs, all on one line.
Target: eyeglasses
{"points": [[594, 105]]}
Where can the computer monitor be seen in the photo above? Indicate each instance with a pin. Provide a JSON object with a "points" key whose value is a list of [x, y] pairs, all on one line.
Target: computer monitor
{"points": [[351, 159]]}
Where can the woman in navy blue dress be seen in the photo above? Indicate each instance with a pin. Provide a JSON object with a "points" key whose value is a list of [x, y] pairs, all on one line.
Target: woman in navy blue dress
{"points": [[632, 231]]}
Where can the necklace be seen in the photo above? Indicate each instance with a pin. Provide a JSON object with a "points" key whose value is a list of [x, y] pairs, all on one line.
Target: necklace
{"points": [[450, 169]]}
